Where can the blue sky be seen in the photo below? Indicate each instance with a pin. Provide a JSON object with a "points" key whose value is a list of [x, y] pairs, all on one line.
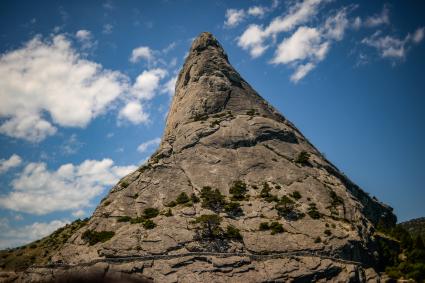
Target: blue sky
{"points": [[85, 88]]}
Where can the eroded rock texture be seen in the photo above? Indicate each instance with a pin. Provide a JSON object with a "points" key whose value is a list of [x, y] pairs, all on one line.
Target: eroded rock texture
{"points": [[220, 131]]}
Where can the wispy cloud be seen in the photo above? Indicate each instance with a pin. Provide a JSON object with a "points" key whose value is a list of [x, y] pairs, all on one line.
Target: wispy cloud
{"points": [[143, 147], [393, 47], [13, 237], [6, 164], [254, 37], [39, 190]]}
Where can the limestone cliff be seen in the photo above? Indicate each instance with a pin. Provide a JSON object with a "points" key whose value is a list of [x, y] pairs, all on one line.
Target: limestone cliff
{"points": [[283, 211]]}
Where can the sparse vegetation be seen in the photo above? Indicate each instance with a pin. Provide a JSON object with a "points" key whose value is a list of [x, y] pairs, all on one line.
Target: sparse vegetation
{"points": [[194, 198], [233, 233], [276, 228], [328, 232], [40, 251], [212, 199], [210, 226], [150, 212], [238, 190], [264, 226], [182, 198], [148, 224], [313, 212], [317, 240], [124, 184], [296, 195], [93, 237], [233, 209], [251, 112], [303, 158], [124, 219], [200, 117], [265, 191]]}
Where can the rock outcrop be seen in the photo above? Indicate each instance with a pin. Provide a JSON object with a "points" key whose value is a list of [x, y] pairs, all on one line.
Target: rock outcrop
{"points": [[281, 212]]}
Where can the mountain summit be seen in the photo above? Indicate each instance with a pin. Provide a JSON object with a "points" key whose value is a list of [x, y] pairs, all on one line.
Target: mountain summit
{"points": [[234, 193]]}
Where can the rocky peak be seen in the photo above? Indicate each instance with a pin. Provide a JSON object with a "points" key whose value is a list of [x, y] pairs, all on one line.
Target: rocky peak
{"points": [[231, 176], [209, 86]]}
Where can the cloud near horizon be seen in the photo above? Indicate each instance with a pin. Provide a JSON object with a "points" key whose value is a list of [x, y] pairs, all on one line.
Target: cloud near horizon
{"points": [[40, 191]]}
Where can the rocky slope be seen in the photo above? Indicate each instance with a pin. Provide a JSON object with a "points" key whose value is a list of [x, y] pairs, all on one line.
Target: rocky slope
{"points": [[235, 192]]}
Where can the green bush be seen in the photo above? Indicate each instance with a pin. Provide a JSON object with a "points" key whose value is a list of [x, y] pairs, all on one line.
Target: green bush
{"points": [[250, 112], [264, 226], [265, 191], [148, 224], [238, 190], [150, 212], [285, 207], [328, 232], [124, 219], [313, 212], [124, 184], [233, 233], [194, 198], [210, 225], [137, 220], [94, 237], [303, 158], [212, 199], [182, 198], [276, 227], [296, 195], [318, 239], [233, 209]]}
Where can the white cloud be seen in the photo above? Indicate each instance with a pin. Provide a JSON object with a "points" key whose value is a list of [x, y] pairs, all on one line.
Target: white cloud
{"points": [[304, 48], [380, 19], [141, 52], [257, 11], [418, 35], [254, 37], [147, 83], [300, 13], [336, 25], [14, 161], [71, 145], [39, 190], [305, 43], [79, 213], [85, 38], [143, 147], [234, 17], [253, 40], [301, 71], [169, 86], [51, 77], [83, 34], [13, 237], [133, 111], [392, 47], [107, 28]]}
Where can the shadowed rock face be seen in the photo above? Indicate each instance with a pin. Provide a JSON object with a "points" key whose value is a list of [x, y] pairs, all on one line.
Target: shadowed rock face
{"points": [[220, 131]]}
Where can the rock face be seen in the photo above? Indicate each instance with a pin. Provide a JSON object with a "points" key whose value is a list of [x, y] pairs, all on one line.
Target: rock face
{"points": [[221, 134]]}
